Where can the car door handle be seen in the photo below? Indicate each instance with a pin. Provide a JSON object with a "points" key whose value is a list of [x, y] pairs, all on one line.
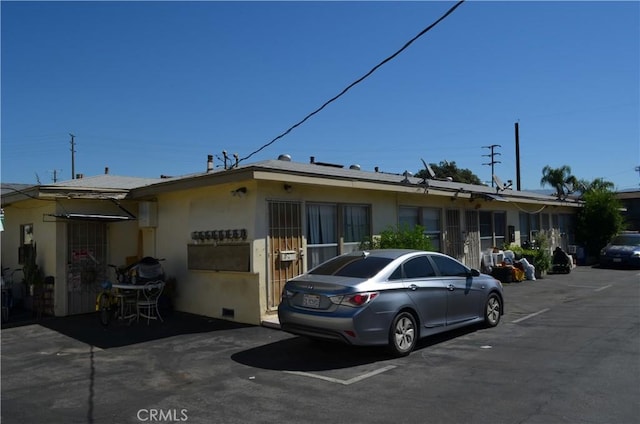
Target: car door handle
{"points": [[450, 287], [413, 287]]}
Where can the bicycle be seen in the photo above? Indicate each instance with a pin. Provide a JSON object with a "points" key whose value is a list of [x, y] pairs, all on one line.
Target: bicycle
{"points": [[108, 302], [112, 304]]}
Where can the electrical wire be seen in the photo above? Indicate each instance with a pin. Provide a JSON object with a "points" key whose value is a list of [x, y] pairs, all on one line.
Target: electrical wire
{"points": [[407, 44]]}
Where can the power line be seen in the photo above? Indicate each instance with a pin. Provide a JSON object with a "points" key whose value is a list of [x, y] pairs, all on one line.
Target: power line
{"points": [[407, 44]]}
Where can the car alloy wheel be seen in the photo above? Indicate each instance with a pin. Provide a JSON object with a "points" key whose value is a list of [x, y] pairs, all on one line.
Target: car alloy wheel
{"points": [[403, 334], [492, 311]]}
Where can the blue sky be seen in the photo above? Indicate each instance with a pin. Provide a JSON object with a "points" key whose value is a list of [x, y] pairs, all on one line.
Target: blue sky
{"points": [[151, 88]]}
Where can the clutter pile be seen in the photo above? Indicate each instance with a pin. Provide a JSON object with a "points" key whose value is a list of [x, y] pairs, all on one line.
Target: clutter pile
{"points": [[503, 266]]}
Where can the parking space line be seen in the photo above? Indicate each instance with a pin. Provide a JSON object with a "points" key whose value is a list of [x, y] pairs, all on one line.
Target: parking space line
{"points": [[343, 382], [530, 316], [603, 288]]}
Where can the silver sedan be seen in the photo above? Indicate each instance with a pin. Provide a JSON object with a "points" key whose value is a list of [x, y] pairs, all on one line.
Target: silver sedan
{"points": [[388, 297]]}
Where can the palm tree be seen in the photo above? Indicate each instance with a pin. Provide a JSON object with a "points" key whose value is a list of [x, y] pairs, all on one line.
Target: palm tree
{"points": [[599, 184], [560, 179]]}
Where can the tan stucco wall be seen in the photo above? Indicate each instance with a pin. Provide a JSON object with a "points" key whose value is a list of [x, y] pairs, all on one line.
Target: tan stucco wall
{"points": [[209, 292], [44, 235]]}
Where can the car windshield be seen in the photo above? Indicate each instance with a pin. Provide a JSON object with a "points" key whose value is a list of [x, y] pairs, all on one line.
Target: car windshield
{"points": [[627, 240], [352, 266]]}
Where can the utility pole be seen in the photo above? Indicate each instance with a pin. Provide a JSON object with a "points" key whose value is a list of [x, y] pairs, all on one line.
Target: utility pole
{"points": [[492, 155], [517, 128], [55, 175], [73, 156]]}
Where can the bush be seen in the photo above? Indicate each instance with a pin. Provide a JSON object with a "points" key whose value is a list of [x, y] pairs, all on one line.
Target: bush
{"points": [[403, 237]]}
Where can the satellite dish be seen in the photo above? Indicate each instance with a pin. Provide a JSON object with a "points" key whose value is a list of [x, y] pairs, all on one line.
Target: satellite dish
{"points": [[432, 174], [500, 186]]}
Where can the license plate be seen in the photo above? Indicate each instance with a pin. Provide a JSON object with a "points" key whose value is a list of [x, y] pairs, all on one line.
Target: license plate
{"points": [[617, 260], [311, 301]]}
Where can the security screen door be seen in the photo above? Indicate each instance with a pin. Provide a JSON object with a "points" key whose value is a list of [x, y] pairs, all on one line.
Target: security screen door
{"points": [[86, 258], [472, 258], [284, 247]]}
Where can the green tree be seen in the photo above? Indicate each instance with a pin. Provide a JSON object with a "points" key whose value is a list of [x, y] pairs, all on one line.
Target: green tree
{"points": [[599, 219], [560, 179], [449, 169]]}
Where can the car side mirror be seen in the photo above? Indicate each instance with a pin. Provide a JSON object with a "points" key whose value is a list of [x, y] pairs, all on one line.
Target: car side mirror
{"points": [[474, 273]]}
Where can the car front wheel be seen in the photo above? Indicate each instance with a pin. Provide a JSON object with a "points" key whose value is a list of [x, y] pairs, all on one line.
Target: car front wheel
{"points": [[403, 334], [492, 310]]}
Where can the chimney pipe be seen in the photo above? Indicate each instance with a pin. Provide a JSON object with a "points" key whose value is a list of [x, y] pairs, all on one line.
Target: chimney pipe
{"points": [[106, 170], [209, 163], [312, 159]]}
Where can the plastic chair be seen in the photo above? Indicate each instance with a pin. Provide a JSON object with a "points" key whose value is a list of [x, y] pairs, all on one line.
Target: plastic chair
{"points": [[147, 305]]}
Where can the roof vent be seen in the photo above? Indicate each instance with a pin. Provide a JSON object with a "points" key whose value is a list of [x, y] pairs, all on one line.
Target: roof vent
{"points": [[355, 167], [285, 158]]}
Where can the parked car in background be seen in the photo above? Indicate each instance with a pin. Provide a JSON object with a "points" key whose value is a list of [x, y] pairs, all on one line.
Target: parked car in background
{"points": [[388, 297], [622, 251]]}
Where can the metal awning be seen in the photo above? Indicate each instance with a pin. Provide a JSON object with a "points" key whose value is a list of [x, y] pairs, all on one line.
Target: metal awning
{"points": [[84, 216], [91, 217]]}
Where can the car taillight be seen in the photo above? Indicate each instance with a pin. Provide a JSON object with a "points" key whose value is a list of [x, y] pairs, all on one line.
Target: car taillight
{"points": [[286, 294], [360, 299]]}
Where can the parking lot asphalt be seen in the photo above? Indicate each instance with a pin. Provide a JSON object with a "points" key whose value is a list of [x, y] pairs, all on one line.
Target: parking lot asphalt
{"points": [[198, 369]]}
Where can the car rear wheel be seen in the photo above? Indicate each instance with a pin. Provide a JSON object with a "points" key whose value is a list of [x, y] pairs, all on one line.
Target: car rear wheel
{"points": [[403, 334], [492, 311]]}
